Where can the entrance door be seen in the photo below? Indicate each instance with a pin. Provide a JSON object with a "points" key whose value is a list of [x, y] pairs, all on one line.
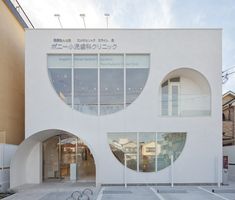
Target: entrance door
{"points": [[51, 169], [66, 157], [68, 168]]}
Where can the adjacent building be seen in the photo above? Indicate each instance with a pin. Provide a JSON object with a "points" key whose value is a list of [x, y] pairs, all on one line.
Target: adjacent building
{"points": [[228, 119], [229, 131], [12, 45], [121, 105]]}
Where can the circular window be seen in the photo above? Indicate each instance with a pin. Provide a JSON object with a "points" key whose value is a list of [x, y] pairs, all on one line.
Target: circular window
{"points": [[98, 84]]}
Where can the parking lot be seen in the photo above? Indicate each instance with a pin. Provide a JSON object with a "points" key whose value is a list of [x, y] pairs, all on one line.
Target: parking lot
{"points": [[64, 191], [167, 193]]}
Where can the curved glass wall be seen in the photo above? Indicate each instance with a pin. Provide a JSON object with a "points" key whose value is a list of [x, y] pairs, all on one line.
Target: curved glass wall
{"points": [[98, 84], [146, 152], [186, 93]]}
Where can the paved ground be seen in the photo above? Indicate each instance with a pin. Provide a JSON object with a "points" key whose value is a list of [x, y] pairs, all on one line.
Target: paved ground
{"points": [[63, 191]]}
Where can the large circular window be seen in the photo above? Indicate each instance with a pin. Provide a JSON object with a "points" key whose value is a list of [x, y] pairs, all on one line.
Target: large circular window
{"points": [[98, 84]]}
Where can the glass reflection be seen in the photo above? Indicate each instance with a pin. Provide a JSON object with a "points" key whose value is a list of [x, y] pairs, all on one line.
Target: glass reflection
{"points": [[59, 61], [124, 143], [86, 61], [169, 144], [111, 90], [180, 96], [61, 80], [51, 168], [147, 150], [154, 149], [111, 61], [83, 74], [86, 90], [135, 81], [67, 157]]}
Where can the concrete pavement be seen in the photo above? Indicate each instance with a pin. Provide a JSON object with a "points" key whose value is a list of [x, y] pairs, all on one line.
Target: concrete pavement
{"points": [[62, 191]]}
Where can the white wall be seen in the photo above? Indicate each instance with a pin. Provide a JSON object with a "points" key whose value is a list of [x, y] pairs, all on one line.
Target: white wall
{"points": [[169, 49], [230, 152]]}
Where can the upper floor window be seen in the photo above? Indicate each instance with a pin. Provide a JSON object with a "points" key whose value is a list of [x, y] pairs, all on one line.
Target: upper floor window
{"points": [[185, 92], [98, 84]]}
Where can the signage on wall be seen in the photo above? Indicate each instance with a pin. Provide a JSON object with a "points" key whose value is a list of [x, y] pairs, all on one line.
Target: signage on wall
{"points": [[225, 162], [84, 44]]}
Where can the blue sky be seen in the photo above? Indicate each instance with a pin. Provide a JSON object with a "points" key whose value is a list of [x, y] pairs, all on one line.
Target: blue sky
{"points": [[142, 14]]}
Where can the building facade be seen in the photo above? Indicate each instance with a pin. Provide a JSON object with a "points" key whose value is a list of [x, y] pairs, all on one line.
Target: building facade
{"points": [[114, 106], [11, 86]]}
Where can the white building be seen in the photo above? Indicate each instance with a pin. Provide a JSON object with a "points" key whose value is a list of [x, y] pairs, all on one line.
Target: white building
{"points": [[96, 97]]}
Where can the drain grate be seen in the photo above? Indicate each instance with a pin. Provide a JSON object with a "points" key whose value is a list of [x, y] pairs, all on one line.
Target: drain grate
{"points": [[117, 192]]}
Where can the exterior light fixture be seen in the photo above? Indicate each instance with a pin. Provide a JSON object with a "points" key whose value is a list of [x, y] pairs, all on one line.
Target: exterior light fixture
{"points": [[58, 16], [107, 19], [83, 18]]}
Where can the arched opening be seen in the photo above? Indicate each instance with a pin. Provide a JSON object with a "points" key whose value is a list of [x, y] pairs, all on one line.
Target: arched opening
{"points": [[52, 155], [185, 92], [66, 157]]}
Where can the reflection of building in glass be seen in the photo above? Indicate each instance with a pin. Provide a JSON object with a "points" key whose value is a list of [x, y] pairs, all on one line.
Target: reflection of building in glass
{"points": [[155, 149]]}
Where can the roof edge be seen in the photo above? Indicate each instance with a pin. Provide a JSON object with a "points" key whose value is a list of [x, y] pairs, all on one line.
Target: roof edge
{"points": [[12, 8]]}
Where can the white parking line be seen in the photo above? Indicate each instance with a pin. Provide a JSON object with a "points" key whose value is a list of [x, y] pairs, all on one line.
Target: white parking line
{"points": [[157, 194], [213, 193], [100, 195]]}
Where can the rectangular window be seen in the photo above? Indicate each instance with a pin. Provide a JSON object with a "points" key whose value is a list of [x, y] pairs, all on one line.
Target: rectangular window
{"points": [[86, 90], [111, 90], [175, 100], [164, 97], [137, 61], [111, 61], [86, 60], [59, 61]]}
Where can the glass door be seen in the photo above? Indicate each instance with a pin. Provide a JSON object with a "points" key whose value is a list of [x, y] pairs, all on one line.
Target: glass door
{"points": [[68, 160], [66, 157], [51, 170]]}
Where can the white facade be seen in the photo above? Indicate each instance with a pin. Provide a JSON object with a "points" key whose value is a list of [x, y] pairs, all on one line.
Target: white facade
{"points": [[194, 55]]}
